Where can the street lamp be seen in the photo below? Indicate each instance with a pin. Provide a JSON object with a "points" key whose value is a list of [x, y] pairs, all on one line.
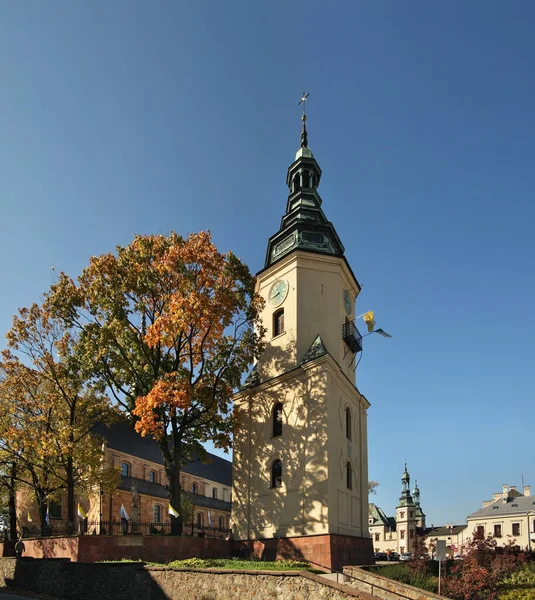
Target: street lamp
{"points": [[100, 519]]}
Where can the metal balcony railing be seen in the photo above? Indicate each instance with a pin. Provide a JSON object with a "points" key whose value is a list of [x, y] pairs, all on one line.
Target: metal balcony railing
{"points": [[352, 337]]}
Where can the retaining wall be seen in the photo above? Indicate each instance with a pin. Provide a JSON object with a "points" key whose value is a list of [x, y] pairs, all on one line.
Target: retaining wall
{"points": [[60, 578], [388, 589]]}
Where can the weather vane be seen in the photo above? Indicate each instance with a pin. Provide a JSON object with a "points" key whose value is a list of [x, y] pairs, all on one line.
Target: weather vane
{"points": [[303, 101], [304, 136]]}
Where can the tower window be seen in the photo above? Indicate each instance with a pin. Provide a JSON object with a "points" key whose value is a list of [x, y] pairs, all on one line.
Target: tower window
{"points": [[277, 420], [349, 476], [276, 474], [297, 183], [278, 322], [348, 423], [306, 179]]}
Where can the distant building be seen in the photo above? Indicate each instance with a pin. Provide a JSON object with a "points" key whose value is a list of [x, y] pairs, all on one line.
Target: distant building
{"points": [[455, 537], [143, 490], [397, 533], [510, 515]]}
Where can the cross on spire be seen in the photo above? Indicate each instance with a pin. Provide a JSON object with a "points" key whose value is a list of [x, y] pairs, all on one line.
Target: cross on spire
{"points": [[304, 135]]}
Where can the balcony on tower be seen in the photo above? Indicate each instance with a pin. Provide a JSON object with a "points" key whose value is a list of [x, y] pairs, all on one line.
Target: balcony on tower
{"points": [[352, 337]]}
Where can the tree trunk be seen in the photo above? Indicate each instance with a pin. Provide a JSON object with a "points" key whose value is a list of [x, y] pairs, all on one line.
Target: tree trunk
{"points": [[70, 493], [12, 502], [43, 506], [172, 465]]}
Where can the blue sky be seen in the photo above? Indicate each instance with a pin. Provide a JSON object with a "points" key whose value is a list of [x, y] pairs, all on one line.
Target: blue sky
{"points": [[131, 117]]}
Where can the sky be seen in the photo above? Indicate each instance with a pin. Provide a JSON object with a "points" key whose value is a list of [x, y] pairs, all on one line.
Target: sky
{"points": [[131, 117]]}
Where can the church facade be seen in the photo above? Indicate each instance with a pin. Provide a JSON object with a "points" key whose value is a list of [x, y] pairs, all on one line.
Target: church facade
{"points": [[300, 459], [396, 534]]}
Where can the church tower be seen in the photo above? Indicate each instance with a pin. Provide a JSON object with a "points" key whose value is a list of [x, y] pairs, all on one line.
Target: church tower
{"points": [[405, 515], [300, 463]]}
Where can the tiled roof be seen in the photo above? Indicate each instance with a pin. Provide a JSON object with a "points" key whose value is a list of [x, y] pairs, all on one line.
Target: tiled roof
{"points": [[123, 438], [146, 488], [375, 512], [515, 505], [438, 531]]}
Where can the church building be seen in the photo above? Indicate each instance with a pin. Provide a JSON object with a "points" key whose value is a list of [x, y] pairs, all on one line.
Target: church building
{"points": [[300, 460], [396, 534]]}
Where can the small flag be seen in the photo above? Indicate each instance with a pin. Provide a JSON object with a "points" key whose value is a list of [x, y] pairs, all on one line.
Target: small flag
{"points": [[123, 513], [210, 518], [369, 319], [81, 512], [383, 333], [172, 511], [29, 517]]}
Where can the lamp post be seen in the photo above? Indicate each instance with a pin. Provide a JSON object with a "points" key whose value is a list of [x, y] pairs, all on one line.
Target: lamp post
{"points": [[100, 513]]}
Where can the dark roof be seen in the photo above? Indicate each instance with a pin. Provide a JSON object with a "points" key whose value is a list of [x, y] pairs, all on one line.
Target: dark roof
{"points": [[124, 438], [146, 488], [446, 530], [316, 350], [520, 504], [252, 380]]}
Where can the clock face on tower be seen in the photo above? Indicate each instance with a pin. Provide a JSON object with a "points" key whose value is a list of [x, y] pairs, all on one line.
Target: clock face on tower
{"points": [[347, 302], [278, 292]]}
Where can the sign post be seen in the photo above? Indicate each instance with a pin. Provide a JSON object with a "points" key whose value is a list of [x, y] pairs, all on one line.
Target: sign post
{"points": [[441, 555]]}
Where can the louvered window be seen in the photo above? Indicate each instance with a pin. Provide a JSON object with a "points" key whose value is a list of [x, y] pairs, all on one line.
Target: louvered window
{"points": [[278, 323]]}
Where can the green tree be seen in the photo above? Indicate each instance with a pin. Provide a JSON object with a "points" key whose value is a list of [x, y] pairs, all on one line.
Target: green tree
{"points": [[169, 325]]}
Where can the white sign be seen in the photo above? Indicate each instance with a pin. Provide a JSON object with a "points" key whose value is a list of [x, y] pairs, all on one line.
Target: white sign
{"points": [[441, 549]]}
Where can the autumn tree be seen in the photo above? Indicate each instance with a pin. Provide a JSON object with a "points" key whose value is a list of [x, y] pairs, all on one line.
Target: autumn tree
{"points": [[26, 430], [8, 490], [169, 325], [76, 401], [478, 575]]}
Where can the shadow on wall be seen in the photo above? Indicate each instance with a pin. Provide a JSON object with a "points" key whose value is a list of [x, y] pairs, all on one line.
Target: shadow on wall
{"points": [[61, 578], [298, 505]]}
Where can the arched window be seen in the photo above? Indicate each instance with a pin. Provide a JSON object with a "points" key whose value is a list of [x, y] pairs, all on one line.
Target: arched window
{"points": [[348, 423], [157, 513], [306, 179], [278, 322], [276, 474], [297, 183], [199, 519], [220, 523], [349, 476], [277, 420], [193, 488]]}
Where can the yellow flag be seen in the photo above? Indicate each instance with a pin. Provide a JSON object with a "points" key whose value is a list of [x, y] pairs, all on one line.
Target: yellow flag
{"points": [[81, 512], [29, 517], [172, 511], [369, 319]]}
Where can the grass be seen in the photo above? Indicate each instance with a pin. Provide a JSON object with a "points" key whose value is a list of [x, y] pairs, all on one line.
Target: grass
{"points": [[229, 563]]}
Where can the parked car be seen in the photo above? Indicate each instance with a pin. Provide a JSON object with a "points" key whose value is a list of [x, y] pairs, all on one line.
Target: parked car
{"points": [[393, 556], [381, 556], [405, 556]]}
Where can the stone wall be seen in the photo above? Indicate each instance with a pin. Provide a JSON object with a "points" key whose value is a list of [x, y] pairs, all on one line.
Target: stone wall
{"points": [[388, 589], [150, 548], [78, 581]]}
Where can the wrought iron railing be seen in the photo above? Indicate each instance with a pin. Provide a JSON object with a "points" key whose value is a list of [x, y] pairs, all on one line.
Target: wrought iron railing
{"points": [[352, 337], [119, 527]]}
